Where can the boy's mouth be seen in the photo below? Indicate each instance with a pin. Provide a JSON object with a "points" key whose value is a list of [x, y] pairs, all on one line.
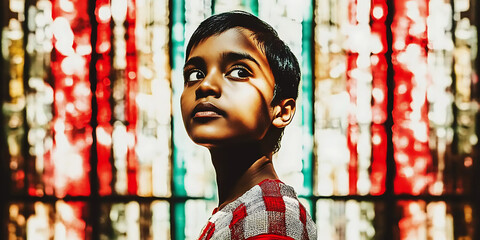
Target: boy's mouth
{"points": [[206, 110]]}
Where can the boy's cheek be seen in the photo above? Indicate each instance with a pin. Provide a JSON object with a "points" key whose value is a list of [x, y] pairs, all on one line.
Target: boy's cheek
{"points": [[264, 89], [253, 120]]}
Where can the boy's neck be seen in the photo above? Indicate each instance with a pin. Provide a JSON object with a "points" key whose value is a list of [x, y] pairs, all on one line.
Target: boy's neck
{"points": [[239, 169]]}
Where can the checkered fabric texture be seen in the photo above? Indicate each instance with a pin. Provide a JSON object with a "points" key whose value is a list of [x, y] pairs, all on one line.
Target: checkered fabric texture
{"points": [[269, 210]]}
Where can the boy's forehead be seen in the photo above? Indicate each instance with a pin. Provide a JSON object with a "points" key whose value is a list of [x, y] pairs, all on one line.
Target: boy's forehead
{"points": [[231, 40]]}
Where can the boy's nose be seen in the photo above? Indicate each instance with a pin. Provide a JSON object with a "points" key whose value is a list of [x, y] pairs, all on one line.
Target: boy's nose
{"points": [[209, 86]]}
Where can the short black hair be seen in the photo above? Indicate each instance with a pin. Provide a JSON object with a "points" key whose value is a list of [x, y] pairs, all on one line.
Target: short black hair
{"points": [[283, 63]]}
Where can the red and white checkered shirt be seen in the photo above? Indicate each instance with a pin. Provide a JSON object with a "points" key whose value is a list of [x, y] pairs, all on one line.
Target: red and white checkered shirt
{"points": [[269, 210]]}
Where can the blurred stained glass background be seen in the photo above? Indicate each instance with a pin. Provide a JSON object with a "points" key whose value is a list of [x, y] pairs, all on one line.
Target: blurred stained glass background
{"points": [[384, 144]]}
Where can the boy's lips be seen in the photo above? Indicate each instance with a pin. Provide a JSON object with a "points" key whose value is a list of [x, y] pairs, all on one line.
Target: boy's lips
{"points": [[207, 110]]}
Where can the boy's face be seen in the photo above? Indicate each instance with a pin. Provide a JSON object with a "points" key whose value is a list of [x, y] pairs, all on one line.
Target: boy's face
{"points": [[228, 90]]}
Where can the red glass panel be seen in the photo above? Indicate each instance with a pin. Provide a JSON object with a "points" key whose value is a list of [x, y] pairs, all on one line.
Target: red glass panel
{"points": [[103, 94], [352, 139], [72, 105], [378, 172], [130, 104], [379, 87], [410, 113], [378, 15]]}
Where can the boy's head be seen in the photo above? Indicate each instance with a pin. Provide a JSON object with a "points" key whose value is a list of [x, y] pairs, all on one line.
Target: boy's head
{"points": [[283, 63], [240, 80]]}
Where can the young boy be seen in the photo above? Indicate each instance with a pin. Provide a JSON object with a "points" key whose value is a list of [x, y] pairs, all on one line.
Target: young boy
{"points": [[241, 82]]}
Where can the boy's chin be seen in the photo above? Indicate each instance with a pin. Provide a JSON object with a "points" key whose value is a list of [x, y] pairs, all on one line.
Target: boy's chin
{"points": [[227, 143], [208, 143], [204, 141]]}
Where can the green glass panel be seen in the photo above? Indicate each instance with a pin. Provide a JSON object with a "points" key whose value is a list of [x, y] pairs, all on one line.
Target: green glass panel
{"points": [[307, 101], [179, 210], [251, 5], [177, 53]]}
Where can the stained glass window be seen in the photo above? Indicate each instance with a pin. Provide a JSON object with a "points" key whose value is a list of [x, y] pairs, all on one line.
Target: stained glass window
{"points": [[384, 144]]}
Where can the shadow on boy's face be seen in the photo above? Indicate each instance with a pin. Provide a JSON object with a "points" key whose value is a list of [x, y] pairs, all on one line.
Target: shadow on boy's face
{"points": [[228, 91]]}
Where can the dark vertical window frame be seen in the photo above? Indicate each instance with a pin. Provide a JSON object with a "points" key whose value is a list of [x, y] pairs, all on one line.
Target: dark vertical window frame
{"points": [[93, 203], [171, 212], [29, 162], [454, 144], [313, 199], [389, 195], [476, 154], [4, 156], [4, 174]]}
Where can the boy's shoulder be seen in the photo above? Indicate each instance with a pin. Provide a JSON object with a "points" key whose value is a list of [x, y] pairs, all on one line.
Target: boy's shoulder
{"points": [[271, 207]]}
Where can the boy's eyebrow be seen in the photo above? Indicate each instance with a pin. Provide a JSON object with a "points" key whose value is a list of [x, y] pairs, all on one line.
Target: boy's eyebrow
{"points": [[226, 57], [195, 61], [235, 56]]}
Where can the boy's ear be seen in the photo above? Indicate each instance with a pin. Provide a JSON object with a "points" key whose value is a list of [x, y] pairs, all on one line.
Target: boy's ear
{"points": [[283, 113]]}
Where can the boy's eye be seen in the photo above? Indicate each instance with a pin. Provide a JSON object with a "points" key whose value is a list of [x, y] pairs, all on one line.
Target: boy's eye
{"points": [[239, 73], [195, 75]]}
